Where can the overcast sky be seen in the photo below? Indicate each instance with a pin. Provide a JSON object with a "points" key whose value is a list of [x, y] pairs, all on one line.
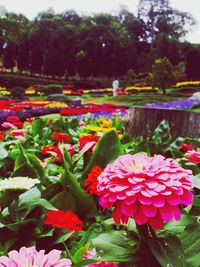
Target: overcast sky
{"points": [[31, 8]]}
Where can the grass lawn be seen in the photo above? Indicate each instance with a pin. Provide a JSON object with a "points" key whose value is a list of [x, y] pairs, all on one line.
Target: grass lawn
{"points": [[129, 100]]}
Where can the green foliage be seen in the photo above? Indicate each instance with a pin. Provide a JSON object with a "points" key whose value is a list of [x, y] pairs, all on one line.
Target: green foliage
{"points": [[53, 89], [85, 204], [116, 241], [17, 92], [68, 45], [29, 165], [163, 75], [129, 77], [107, 149], [168, 251], [191, 242], [161, 137]]}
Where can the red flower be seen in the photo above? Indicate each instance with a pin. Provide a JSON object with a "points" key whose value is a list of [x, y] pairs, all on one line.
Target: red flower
{"points": [[30, 120], [86, 139], [193, 156], [12, 119], [91, 181], [71, 149], [50, 122], [1, 137], [61, 137], [63, 219], [52, 150], [185, 147], [18, 124]]}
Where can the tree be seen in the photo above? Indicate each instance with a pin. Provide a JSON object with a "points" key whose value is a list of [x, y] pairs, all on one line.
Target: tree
{"points": [[192, 63], [159, 16], [23, 54], [163, 75], [167, 47]]}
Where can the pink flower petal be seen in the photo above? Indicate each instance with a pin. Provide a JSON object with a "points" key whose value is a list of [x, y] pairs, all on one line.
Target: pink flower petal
{"points": [[156, 222], [139, 217], [128, 210], [117, 214], [166, 213], [158, 201], [173, 199], [149, 211], [186, 198], [145, 200], [176, 212]]}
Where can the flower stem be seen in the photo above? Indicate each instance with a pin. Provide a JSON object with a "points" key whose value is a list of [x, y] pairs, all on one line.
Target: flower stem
{"points": [[143, 231], [67, 251], [153, 233]]}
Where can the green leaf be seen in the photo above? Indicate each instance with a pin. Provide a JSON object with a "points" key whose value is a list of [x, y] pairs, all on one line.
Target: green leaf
{"points": [[107, 149], [18, 225], [80, 252], [33, 193], [196, 180], [190, 240], [51, 190], [29, 165], [60, 236], [84, 202], [3, 152], [162, 136], [64, 201], [86, 262], [115, 246], [32, 198], [168, 251], [38, 127], [178, 227]]}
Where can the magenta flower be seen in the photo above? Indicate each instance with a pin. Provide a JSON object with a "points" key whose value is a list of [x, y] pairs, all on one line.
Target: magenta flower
{"points": [[90, 254], [193, 156], [30, 257], [149, 189]]}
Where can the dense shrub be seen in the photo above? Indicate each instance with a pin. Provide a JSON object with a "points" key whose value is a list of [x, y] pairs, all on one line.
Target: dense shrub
{"points": [[17, 92], [53, 89]]}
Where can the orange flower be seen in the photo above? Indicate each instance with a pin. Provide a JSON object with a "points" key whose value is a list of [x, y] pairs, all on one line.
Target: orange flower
{"points": [[91, 181]]}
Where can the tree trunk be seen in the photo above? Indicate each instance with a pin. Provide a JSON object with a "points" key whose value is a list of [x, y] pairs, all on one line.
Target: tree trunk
{"points": [[164, 91], [182, 123]]}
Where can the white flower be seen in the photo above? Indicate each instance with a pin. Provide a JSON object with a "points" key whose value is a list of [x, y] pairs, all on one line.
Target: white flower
{"points": [[18, 183]]}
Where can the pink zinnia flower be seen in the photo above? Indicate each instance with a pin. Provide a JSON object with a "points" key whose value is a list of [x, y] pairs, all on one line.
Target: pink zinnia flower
{"points": [[8, 125], [149, 189], [30, 257], [90, 254], [18, 134], [193, 156], [81, 123]]}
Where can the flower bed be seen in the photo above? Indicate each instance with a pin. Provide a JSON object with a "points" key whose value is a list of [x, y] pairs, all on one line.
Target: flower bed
{"points": [[79, 191], [27, 109], [179, 104]]}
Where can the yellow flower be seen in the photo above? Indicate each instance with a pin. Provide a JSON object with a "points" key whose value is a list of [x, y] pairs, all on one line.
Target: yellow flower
{"points": [[57, 105], [99, 129]]}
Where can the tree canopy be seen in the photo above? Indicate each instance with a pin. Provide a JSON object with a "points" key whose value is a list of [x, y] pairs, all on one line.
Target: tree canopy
{"points": [[99, 45]]}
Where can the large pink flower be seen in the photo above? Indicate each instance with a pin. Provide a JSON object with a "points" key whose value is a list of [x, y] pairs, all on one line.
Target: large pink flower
{"points": [[149, 189], [193, 156], [30, 257]]}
